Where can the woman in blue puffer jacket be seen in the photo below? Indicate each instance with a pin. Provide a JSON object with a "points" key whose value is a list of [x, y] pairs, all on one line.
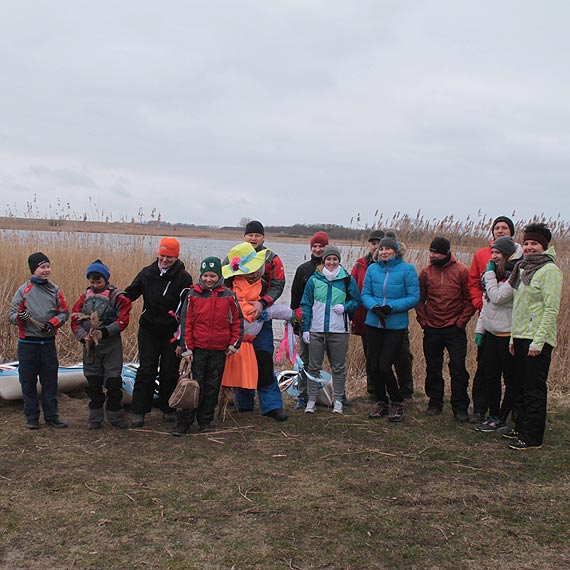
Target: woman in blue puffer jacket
{"points": [[391, 288]]}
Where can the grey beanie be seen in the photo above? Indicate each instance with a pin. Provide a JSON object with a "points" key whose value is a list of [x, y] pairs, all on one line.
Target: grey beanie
{"points": [[390, 242], [506, 245], [376, 235], [331, 250]]}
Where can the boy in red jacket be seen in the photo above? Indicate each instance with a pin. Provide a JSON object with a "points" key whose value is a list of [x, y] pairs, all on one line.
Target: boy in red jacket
{"points": [[211, 329]]}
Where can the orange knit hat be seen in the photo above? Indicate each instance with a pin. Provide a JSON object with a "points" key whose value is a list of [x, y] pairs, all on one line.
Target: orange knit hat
{"points": [[169, 246]]}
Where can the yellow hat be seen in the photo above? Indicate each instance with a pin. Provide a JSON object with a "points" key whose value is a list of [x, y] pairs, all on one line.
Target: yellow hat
{"points": [[243, 260]]}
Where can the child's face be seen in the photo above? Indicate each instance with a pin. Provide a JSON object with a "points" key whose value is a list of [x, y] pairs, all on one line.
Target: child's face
{"points": [[331, 262], [96, 281], [209, 278], [253, 277], [43, 271]]}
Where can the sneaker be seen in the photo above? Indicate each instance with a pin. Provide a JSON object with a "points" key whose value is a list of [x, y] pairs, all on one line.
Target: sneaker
{"points": [[379, 410], [490, 425], [345, 401], [33, 424], [311, 407], [337, 409], [433, 411], [56, 423], [138, 421], [510, 433], [461, 417], [519, 445], [301, 404], [169, 417], [396, 412], [277, 414], [477, 418]]}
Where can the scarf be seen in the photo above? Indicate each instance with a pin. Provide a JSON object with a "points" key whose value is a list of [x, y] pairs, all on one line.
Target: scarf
{"points": [[441, 262], [330, 275], [531, 264]]}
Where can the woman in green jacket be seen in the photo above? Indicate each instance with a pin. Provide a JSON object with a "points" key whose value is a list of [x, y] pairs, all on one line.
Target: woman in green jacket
{"points": [[537, 284]]}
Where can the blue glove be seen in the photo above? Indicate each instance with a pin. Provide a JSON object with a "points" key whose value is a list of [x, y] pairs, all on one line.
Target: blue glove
{"points": [[479, 339]]}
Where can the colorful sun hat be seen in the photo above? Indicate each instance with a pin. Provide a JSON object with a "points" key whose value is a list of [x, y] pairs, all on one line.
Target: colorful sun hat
{"points": [[243, 260]]}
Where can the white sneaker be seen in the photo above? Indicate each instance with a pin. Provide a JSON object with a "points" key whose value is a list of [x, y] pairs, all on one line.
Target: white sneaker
{"points": [[311, 407], [337, 407]]}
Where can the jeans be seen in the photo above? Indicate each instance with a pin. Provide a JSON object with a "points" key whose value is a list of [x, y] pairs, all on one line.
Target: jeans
{"points": [[38, 359], [436, 341]]}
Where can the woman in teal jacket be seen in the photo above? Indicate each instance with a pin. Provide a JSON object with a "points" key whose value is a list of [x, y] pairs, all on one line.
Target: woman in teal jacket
{"points": [[537, 283], [391, 288], [330, 296]]}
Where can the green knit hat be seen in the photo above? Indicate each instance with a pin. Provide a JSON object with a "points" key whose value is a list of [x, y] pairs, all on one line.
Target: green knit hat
{"points": [[213, 264]]}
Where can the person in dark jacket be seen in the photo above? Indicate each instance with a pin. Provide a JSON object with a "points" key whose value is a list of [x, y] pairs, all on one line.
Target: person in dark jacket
{"points": [[404, 363], [443, 312], [302, 275], [161, 285]]}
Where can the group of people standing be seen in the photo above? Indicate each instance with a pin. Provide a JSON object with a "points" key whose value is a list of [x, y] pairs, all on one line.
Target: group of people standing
{"points": [[222, 326]]}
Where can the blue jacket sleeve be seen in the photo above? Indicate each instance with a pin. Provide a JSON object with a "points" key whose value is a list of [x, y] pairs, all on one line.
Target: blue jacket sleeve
{"points": [[411, 295]]}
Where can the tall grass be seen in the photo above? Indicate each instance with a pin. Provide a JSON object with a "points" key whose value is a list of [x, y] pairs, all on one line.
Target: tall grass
{"points": [[71, 253]]}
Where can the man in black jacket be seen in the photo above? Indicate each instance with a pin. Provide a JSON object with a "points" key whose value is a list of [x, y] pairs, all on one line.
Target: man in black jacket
{"points": [[161, 285], [302, 275]]}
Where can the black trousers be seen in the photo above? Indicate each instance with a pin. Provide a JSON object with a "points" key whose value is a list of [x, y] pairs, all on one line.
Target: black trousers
{"points": [[404, 367], [383, 349], [154, 351], [436, 341], [529, 383], [208, 369], [495, 362], [95, 385]]}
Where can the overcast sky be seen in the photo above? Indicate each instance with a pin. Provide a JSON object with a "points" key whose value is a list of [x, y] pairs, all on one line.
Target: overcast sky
{"points": [[285, 111]]}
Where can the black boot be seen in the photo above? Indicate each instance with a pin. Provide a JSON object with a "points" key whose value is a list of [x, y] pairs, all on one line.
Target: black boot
{"points": [[95, 418], [184, 420], [117, 419]]}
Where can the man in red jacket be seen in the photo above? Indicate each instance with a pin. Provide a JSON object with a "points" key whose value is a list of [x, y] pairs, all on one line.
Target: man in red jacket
{"points": [[502, 226], [443, 313]]}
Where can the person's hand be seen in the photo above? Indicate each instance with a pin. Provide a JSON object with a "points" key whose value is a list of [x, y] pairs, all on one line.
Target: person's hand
{"points": [[338, 309], [187, 356], [491, 266], [380, 314], [479, 338], [257, 308], [532, 352], [307, 337], [386, 309], [48, 328], [178, 351], [512, 349], [231, 350], [24, 315]]}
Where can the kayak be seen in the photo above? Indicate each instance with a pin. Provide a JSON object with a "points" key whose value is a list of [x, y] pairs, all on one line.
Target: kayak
{"points": [[70, 378]]}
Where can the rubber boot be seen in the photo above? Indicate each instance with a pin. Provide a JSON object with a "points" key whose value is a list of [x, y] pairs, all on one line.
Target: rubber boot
{"points": [[95, 418], [271, 402], [117, 419], [138, 421], [184, 419]]}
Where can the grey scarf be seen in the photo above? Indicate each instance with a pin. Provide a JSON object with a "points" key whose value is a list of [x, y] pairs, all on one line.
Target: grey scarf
{"points": [[531, 264]]}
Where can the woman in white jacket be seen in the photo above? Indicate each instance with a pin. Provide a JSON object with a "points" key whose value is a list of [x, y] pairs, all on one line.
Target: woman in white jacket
{"points": [[492, 334]]}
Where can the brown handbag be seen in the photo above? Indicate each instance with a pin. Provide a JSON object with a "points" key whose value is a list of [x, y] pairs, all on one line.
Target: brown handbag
{"points": [[186, 395]]}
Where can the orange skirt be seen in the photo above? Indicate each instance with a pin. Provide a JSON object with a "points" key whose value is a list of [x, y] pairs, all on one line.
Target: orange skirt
{"points": [[241, 368]]}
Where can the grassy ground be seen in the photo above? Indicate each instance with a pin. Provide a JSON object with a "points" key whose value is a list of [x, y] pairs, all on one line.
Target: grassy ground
{"points": [[323, 492]]}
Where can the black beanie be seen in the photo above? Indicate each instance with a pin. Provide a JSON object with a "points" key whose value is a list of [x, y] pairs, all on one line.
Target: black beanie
{"points": [[254, 227], [440, 245], [36, 259], [507, 221]]}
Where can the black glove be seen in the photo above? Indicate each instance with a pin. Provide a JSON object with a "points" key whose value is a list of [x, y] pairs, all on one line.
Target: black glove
{"points": [[380, 314], [386, 309], [24, 315], [104, 332], [48, 328]]}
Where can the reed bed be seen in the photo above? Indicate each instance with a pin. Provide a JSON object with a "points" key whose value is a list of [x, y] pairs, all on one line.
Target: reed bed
{"points": [[70, 253]]}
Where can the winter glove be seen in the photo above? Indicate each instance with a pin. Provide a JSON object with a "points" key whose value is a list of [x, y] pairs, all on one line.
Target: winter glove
{"points": [[479, 338], [491, 266], [380, 314], [338, 309], [307, 337], [48, 328], [104, 332], [386, 309], [24, 315]]}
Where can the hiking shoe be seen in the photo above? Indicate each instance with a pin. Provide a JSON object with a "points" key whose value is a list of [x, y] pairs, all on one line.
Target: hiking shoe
{"points": [[117, 419], [510, 433], [520, 445], [311, 407], [433, 411], [277, 414], [337, 409], [56, 423], [179, 430], [301, 404], [169, 417], [396, 412], [206, 428], [477, 418], [33, 424], [379, 410], [461, 417], [490, 425], [138, 421]]}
